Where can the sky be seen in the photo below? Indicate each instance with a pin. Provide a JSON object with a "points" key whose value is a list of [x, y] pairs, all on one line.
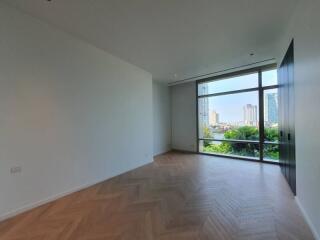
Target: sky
{"points": [[230, 107]]}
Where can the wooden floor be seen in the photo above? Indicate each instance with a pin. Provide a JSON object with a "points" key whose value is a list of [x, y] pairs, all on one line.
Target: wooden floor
{"points": [[179, 196]]}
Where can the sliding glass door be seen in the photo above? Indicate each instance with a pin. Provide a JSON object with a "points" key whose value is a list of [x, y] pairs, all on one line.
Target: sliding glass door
{"points": [[238, 115]]}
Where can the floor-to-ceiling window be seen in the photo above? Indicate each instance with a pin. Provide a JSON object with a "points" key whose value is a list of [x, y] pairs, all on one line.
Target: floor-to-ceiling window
{"points": [[238, 115]]}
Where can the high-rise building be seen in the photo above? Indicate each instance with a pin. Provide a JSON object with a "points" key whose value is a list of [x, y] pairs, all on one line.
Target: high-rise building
{"points": [[203, 107], [213, 118], [250, 115], [271, 108]]}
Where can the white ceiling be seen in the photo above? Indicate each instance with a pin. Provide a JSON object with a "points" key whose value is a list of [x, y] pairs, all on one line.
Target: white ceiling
{"points": [[172, 39]]}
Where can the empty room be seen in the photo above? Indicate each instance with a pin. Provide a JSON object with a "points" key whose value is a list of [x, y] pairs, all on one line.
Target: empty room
{"points": [[159, 120]]}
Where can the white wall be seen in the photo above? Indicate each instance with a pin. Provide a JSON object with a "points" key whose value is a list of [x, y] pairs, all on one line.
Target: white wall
{"points": [[70, 114], [305, 30], [184, 117], [161, 118]]}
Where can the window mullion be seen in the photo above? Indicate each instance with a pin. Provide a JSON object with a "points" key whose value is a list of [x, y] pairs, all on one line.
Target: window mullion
{"points": [[261, 116]]}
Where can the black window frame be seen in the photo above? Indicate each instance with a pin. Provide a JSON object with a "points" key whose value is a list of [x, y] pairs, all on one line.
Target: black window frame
{"points": [[260, 89]]}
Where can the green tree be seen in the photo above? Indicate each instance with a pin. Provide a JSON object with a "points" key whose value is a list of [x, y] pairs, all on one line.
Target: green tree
{"points": [[271, 134], [206, 134], [242, 133], [271, 151], [244, 149], [223, 148]]}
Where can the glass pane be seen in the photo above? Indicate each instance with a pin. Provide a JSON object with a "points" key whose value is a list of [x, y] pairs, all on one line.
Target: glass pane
{"points": [[249, 150], [271, 131], [229, 84], [269, 78], [271, 152], [234, 116]]}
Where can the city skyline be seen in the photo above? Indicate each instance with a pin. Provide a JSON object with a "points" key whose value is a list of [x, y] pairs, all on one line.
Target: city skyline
{"points": [[236, 109], [271, 108], [228, 107], [204, 107], [213, 118], [249, 114]]}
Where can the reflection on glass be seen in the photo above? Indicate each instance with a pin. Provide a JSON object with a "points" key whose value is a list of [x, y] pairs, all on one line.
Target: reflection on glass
{"points": [[229, 84], [269, 78], [234, 116], [250, 150], [271, 115], [271, 152]]}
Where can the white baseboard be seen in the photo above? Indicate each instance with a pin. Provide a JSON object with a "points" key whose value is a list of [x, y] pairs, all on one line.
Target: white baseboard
{"points": [[44, 201], [57, 196], [161, 153], [184, 151], [306, 217]]}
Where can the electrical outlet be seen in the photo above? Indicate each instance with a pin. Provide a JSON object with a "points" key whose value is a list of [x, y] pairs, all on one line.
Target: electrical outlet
{"points": [[15, 170]]}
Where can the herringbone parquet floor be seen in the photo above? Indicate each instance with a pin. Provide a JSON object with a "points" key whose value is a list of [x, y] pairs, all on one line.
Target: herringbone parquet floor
{"points": [[179, 196]]}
